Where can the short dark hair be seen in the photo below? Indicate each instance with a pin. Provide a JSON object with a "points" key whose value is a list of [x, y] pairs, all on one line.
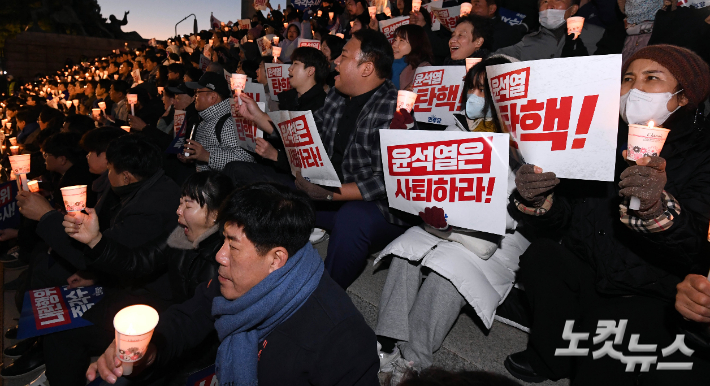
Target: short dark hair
{"points": [[375, 48], [152, 58], [79, 123], [135, 155], [194, 73], [334, 43], [272, 216], [418, 40], [27, 114], [127, 63], [97, 140], [312, 57], [64, 145], [477, 78], [105, 84], [177, 68], [51, 116], [208, 188], [120, 86], [482, 27]]}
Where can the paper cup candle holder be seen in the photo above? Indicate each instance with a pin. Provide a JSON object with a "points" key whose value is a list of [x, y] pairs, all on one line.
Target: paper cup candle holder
{"points": [[416, 5], [574, 25], [276, 52], [238, 82], [33, 186], [406, 100], [74, 198], [470, 62], [465, 9], [132, 100], [20, 165], [644, 141], [134, 327]]}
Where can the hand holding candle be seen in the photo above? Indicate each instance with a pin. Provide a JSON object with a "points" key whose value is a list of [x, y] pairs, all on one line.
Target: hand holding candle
{"points": [[134, 327], [645, 182], [74, 198], [644, 141], [406, 100], [470, 62]]}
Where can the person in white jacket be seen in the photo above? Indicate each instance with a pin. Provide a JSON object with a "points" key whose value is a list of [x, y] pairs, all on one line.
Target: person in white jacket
{"points": [[464, 267]]}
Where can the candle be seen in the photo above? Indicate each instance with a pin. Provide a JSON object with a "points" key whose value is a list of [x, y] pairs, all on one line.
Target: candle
{"points": [[33, 186], [644, 141], [470, 62], [102, 106], [134, 327], [465, 9], [416, 5], [15, 150], [74, 198], [126, 128]]}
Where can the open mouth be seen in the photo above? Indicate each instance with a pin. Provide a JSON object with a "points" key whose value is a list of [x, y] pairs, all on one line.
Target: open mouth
{"points": [[453, 49]]}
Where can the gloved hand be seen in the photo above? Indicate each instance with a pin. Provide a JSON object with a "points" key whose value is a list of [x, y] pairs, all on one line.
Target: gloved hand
{"points": [[533, 184], [315, 192], [402, 120], [434, 217], [646, 181]]}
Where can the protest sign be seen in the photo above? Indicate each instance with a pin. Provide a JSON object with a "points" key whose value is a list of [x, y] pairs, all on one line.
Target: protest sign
{"points": [[53, 309], [389, 26], [244, 24], [562, 121], [260, 5], [435, 25], [304, 147], [304, 4], [179, 125], [246, 130], [255, 91], [277, 76], [264, 45], [511, 17], [9, 215], [693, 3], [309, 43], [204, 62], [447, 16], [464, 173], [438, 91], [204, 377]]}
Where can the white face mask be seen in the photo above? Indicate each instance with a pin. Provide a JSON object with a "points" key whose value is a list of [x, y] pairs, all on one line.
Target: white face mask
{"points": [[638, 107], [552, 18]]}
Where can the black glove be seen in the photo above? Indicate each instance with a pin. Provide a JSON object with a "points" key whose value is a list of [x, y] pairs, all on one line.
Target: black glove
{"points": [[645, 181], [533, 186]]}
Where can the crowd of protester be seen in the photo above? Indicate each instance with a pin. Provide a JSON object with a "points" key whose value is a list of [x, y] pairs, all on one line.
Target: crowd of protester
{"points": [[218, 239]]}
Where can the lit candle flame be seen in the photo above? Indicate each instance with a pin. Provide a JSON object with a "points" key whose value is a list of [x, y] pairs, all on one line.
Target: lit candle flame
{"points": [[130, 330], [650, 124]]}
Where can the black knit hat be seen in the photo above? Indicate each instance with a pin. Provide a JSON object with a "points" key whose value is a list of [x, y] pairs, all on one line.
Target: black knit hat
{"points": [[691, 71]]}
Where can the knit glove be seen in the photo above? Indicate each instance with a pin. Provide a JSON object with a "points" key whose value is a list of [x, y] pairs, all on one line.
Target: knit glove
{"points": [[402, 120], [315, 192], [646, 181], [533, 184], [434, 217]]}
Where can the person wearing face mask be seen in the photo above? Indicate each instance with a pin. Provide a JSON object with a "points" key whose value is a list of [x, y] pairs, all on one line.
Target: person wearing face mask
{"points": [[604, 261], [466, 267], [551, 40]]}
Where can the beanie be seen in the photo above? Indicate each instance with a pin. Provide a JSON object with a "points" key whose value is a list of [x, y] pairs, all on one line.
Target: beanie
{"points": [[691, 72]]}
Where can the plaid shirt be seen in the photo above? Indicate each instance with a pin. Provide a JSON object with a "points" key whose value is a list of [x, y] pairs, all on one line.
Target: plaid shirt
{"points": [[659, 224], [362, 161], [226, 151]]}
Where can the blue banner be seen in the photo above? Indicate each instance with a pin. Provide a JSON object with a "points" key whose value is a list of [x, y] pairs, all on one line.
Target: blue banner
{"points": [[49, 310], [9, 215], [511, 17]]}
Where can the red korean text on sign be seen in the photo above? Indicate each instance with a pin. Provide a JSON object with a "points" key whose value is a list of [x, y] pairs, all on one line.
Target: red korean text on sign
{"points": [[451, 189], [431, 92], [300, 148], [49, 308], [511, 85], [6, 195], [315, 45], [447, 21], [389, 30], [461, 156]]}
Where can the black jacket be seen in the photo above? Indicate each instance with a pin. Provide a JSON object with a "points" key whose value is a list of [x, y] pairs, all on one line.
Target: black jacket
{"points": [[586, 215], [325, 342]]}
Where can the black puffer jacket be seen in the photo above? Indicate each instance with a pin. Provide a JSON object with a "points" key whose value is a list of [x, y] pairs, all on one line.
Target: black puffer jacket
{"points": [[585, 216], [187, 263]]}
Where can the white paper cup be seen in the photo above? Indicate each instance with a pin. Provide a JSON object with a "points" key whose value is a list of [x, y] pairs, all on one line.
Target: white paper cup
{"points": [[134, 327], [74, 198], [126, 128], [372, 11], [160, 90], [574, 25], [15, 150], [406, 100], [13, 141], [465, 9], [331, 15], [276, 52], [276, 41], [115, 76], [68, 103], [645, 141], [320, 13], [20, 164], [96, 112], [102, 105], [238, 81], [33, 186], [416, 5], [470, 62], [132, 99]]}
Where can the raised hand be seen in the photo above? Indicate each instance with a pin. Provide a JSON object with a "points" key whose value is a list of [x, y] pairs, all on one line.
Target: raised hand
{"points": [[646, 181], [83, 227], [533, 184]]}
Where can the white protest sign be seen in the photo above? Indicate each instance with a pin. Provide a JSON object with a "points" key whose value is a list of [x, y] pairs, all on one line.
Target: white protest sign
{"points": [[309, 43], [304, 147], [435, 25], [255, 91], [244, 24], [204, 62], [563, 122], [389, 26], [178, 121], [260, 5], [277, 77], [466, 174], [247, 133], [448, 17], [438, 91], [227, 76]]}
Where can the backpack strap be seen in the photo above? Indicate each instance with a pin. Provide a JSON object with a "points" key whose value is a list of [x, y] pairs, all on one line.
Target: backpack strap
{"points": [[220, 126]]}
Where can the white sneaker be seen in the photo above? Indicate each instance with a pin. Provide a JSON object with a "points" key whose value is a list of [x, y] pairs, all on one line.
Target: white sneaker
{"points": [[401, 369], [386, 359], [41, 381], [318, 235]]}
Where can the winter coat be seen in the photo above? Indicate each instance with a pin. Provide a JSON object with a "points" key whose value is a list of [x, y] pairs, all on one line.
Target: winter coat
{"points": [[222, 150], [585, 216], [544, 44]]}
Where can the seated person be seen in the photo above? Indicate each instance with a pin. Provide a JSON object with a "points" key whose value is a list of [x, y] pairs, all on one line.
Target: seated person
{"points": [[551, 40], [362, 102], [465, 267], [279, 316], [187, 255], [615, 263]]}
